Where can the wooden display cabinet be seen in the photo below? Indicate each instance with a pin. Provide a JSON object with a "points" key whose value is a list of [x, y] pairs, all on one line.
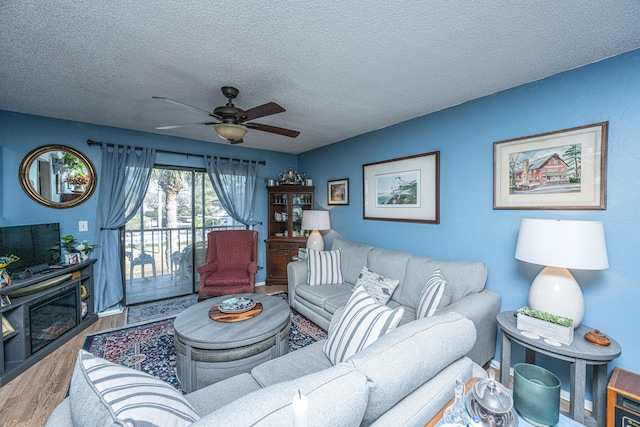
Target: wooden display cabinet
{"points": [[286, 203]]}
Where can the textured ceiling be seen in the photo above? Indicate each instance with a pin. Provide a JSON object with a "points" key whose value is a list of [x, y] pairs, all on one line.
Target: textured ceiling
{"points": [[340, 68]]}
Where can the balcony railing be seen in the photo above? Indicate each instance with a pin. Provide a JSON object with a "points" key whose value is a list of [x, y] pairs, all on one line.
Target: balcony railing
{"points": [[159, 251]]}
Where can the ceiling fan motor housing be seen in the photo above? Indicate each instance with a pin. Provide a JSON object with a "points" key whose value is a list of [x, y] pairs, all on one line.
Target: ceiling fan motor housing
{"points": [[227, 113]]}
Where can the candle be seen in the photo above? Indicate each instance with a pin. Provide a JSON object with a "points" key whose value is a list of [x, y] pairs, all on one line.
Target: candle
{"points": [[300, 406]]}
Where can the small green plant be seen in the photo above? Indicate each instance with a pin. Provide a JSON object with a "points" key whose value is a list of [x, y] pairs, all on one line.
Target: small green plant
{"points": [[547, 317], [71, 245]]}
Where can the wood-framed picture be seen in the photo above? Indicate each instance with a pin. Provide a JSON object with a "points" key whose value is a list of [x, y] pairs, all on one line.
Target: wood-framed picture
{"points": [[5, 279], [5, 301], [564, 169], [6, 327], [338, 191], [403, 189], [72, 258]]}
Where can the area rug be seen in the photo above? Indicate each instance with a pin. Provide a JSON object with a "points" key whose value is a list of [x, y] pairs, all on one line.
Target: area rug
{"points": [[160, 309], [149, 347]]}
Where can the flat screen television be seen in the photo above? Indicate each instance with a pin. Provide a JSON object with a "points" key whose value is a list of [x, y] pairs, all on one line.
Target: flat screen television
{"points": [[35, 245]]}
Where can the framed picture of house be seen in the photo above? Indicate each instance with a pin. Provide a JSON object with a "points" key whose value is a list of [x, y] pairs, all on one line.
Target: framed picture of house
{"points": [[565, 169], [338, 192], [403, 189]]}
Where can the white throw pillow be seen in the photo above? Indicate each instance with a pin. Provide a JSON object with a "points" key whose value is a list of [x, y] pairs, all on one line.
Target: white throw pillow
{"points": [[324, 267], [379, 287], [363, 321], [432, 296], [131, 397]]}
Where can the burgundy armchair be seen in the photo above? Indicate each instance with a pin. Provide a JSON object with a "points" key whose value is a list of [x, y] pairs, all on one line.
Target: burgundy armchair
{"points": [[231, 263]]}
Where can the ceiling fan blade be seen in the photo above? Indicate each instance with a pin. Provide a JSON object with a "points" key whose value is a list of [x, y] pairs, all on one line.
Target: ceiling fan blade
{"points": [[260, 111], [185, 124], [273, 129], [182, 104]]}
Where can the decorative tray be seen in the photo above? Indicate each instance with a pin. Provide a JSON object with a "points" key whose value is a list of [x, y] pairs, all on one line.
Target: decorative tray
{"points": [[236, 305]]}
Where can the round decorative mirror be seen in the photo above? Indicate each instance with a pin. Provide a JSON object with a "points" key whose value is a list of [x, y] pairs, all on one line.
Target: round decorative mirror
{"points": [[57, 176]]}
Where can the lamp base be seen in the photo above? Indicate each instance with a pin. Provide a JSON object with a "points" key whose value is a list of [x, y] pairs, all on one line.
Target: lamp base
{"points": [[315, 241], [556, 291]]}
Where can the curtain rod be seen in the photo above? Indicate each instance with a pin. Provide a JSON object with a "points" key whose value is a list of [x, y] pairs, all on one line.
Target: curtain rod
{"points": [[261, 162]]}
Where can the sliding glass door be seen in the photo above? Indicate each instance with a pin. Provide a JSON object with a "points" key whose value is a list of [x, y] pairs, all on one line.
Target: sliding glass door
{"points": [[166, 239]]}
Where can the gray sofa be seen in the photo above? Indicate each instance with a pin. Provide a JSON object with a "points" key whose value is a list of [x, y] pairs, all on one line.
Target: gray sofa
{"points": [[466, 293], [402, 379]]}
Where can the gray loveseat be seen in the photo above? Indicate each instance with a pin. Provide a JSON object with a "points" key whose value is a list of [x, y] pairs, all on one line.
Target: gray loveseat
{"points": [[466, 293], [402, 379]]}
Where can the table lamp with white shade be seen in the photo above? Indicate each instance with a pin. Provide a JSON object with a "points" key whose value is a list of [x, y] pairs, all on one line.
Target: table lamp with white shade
{"points": [[315, 220], [560, 245]]}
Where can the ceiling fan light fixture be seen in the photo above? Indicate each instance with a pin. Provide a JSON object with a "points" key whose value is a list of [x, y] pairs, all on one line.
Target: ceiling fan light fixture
{"points": [[230, 131]]}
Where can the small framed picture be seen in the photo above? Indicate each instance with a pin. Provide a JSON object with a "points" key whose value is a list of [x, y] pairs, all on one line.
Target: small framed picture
{"points": [[338, 192], [5, 279], [72, 259], [6, 327], [5, 301]]}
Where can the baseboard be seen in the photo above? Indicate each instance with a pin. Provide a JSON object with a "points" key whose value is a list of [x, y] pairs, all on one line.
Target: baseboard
{"points": [[111, 311], [261, 284], [564, 395]]}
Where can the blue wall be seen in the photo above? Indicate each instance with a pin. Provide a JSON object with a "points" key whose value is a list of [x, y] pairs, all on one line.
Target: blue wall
{"points": [[20, 133], [469, 226]]}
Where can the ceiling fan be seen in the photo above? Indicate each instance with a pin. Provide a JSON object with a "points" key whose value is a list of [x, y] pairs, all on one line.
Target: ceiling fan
{"points": [[231, 120]]}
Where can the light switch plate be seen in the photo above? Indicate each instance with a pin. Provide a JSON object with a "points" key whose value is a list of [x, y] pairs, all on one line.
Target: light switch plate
{"points": [[83, 225]]}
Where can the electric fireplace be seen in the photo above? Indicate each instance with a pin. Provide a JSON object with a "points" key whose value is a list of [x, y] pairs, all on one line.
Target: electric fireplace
{"points": [[50, 316]]}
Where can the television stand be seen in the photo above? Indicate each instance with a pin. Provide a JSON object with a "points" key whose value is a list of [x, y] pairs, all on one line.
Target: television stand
{"points": [[41, 313]]}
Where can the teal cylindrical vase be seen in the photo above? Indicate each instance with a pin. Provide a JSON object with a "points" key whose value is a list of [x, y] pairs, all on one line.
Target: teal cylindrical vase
{"points": [[536, 394]]}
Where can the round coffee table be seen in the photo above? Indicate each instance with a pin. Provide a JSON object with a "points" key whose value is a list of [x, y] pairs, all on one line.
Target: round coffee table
{"points": [[209, 351]]}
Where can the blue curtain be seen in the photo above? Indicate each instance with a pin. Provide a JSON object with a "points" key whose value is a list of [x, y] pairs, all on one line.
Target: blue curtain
{"points": [[235, 184], [124, 178]]}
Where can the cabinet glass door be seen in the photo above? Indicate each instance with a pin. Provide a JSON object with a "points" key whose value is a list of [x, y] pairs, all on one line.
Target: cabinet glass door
{"points": [[279, 215], [299, 203]]}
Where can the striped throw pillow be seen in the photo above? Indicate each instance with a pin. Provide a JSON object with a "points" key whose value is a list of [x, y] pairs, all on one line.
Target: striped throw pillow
{"points": [[131, 397], [324, 267], [432, 295], [363, 321]]}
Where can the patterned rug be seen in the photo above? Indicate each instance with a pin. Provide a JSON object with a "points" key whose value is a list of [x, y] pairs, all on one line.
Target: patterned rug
{"points": [[160, 309], [149, 347]]}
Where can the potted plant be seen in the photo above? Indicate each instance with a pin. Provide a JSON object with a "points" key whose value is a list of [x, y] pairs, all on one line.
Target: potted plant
{"points": [[77, 176], [72, 246], [5, 280], [77, 181], [557, 328]]}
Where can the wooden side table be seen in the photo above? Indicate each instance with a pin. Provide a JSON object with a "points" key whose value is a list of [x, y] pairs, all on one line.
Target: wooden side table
{"points": [[579, 354]]}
